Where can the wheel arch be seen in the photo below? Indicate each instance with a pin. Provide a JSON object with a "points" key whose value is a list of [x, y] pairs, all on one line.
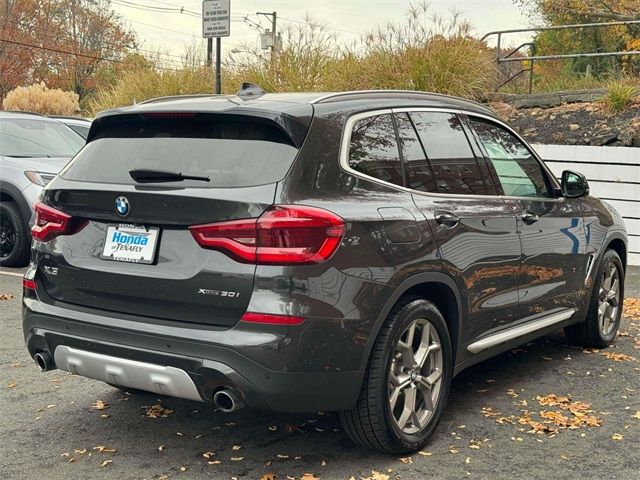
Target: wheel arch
{"points": [[435, 287], [11, 193], [620, 247]]}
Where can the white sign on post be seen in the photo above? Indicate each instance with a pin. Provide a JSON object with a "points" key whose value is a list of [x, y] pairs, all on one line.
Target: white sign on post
{"points": [[216, 18]]}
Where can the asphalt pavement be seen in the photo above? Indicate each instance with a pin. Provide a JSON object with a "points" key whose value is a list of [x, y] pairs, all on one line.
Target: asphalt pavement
{"points": [[59, 426]]}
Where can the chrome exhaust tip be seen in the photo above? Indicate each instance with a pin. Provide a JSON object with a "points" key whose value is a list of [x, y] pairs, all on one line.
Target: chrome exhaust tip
{"points": [[44, 362], [227, 401]]}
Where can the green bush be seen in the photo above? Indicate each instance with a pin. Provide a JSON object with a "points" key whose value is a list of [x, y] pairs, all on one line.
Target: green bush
{"points": [[620, 94]]}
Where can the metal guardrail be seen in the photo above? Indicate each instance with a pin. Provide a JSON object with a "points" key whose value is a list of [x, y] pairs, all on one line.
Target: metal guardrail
{"points": [[532, 58]]}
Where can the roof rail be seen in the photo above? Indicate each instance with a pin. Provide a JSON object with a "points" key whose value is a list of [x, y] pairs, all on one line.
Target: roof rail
{"points": [[330, 96]]}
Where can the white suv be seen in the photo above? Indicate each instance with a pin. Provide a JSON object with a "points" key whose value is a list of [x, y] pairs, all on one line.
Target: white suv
{"points": [[33, 149]]}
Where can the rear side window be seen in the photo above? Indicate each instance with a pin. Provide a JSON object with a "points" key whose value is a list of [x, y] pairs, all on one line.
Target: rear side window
{"points": [[230, 153], [454, 165], [373, 149]]}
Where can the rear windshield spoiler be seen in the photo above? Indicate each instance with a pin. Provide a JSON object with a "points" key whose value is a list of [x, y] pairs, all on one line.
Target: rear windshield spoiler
{"points": [[295, 128]]}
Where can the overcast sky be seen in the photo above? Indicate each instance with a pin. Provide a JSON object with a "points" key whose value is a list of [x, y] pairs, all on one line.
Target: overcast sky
{"points": [[171, 31]]}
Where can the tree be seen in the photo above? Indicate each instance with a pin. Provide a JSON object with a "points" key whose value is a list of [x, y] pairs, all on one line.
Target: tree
{"points": [[604, 39], [62, 42]]}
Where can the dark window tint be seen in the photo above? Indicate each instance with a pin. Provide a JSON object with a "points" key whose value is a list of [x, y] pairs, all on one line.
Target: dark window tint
{"points": [[520, 174], [374, 149], [231, 154], [454, 166], [416, 164]]}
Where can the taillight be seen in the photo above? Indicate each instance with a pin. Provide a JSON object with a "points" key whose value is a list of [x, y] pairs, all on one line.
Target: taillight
{"points": [[51, 223], [282, 235], [28, 284]]}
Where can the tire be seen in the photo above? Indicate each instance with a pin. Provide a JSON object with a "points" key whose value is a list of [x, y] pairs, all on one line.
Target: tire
{"points": [[592, 332], [15, 238], [372, 423]]}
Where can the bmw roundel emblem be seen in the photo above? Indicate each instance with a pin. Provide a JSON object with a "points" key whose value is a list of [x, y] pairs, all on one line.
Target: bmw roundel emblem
{"points": [[122, 206]]}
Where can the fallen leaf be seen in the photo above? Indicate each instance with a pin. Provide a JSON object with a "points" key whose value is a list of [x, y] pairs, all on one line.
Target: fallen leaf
{"points": [[103, 449], [157, 411], [618, 357], [12, 384], [236, 459], [235, 448], [617, 436], [161, 447], [636, 415], [208, 454], [309, 476], [280, 455], [406, 460], [100, 405], [6, 296], [268, 476], [214, 462], [183, 469], [425, 454], [105, 463]]}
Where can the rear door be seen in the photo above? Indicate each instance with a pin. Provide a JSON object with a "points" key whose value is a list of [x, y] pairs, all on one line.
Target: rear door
{"points": [[135, 253], [474, 228], [551, 227]]}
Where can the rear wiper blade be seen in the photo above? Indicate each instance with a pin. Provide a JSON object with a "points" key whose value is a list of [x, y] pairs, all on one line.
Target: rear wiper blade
{"points": [[153, 176]]}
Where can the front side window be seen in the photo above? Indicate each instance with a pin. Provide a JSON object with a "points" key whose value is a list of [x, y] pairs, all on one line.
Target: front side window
{"points": [[453, 164], [518, 171], [373, 149]]}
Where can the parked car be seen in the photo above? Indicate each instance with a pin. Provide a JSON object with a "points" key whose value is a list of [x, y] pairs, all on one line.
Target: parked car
{"points": [[33, 148], [346, 252], [79, 125]]}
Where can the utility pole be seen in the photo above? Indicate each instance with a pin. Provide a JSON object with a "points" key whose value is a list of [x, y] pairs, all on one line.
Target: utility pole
{"points": [[274, 33]]}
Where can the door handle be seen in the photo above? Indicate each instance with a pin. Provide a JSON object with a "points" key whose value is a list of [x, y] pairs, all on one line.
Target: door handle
{"points": [[447, 219], [530, 218]]}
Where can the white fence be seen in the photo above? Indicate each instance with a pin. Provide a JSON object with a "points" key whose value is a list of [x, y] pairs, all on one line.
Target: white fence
{"points": [[614, 176]]}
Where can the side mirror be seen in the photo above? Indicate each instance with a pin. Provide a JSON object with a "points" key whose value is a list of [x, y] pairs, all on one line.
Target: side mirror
{"points": [[574, 184]]}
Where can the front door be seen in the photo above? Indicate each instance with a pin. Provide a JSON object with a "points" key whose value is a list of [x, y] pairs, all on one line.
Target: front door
{"points": [[551, 228]]}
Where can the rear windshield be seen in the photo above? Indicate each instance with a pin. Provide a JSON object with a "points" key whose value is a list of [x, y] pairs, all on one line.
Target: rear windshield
{"points": [[32, 137], [230, 153]]}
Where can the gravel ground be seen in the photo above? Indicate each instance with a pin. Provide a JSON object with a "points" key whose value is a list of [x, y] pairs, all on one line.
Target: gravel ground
{"points": [[48, 428]]}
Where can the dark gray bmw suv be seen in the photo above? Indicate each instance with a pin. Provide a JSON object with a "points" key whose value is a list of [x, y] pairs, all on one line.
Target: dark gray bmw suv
{"points": [[346, 252]]}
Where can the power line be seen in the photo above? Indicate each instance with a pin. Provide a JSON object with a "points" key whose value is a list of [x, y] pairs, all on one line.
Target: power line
{"points": [[115, 45], [77, 54]]}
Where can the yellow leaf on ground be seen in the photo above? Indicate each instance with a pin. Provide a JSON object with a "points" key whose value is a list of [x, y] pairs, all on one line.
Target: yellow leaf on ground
{"points": [[100, 405], [617, 436]]}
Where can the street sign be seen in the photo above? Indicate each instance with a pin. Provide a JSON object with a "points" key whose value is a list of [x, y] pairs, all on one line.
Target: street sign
{"points": [[216, 18]]}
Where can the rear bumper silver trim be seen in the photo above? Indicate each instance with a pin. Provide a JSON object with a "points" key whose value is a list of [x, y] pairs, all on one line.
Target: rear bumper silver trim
{"points": [[123, 372], [520, 330]]}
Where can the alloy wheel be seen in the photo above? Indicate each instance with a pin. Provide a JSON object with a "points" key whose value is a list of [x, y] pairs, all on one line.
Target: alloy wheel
{"points": [[415, 377], [8, 236], [609, 299]]}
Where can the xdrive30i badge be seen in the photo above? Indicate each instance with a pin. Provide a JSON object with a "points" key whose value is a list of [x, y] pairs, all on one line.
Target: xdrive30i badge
{"points": [[218, 293], [122, 206]]}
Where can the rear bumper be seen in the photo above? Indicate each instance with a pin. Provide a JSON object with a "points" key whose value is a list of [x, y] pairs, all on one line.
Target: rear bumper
{"points": [[210, 365]]}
